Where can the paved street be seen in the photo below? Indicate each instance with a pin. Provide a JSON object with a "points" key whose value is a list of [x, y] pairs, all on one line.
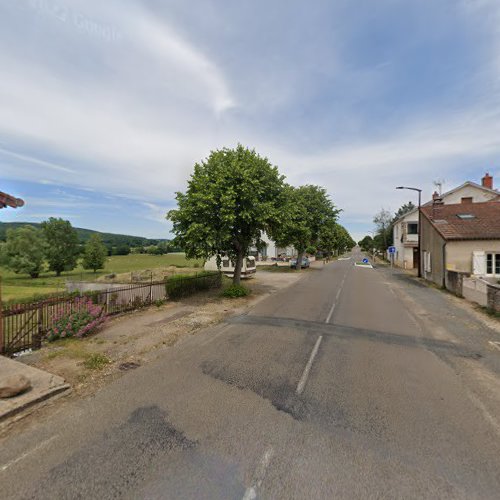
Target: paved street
{"points": [[352, 383]]}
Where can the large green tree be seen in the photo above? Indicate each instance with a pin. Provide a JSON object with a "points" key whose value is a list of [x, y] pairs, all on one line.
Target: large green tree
{"points": [[95, 253], [366, 243], [62, 241], [404, 209], [24, 251], [344, 240], [308, 209], [232, 197], [383, 224]]}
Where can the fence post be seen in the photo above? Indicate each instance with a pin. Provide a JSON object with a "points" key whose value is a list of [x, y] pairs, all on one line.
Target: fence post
{"points": [[37, 338]]}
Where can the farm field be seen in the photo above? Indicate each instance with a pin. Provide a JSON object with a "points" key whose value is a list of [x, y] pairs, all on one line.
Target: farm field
{"points": [[22, 287]]}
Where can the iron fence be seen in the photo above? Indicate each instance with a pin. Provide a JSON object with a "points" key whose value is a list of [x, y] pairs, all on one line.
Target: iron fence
{"points": [[24, 326]]}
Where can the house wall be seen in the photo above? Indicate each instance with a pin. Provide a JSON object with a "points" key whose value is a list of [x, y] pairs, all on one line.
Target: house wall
{"points": [[478, 195], [404, 255], [271, 250], [459, 253], [432, 242]]}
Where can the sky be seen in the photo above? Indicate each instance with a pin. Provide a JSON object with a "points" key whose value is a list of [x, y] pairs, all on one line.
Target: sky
{"points": [[105, 107]]}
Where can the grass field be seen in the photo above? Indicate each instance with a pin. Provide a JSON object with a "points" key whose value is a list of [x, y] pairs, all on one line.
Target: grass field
{"points": [[22, 287]]}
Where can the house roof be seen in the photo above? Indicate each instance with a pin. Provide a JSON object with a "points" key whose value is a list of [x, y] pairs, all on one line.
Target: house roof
{"points": [[6, 200], [466, 184], [402, 217], [471, 221]]}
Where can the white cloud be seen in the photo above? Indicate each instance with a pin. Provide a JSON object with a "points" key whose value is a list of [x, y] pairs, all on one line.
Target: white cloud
{"points": [[111, 98]]}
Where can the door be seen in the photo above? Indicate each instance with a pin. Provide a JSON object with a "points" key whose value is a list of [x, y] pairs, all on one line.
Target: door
{"points": [[416, 258]]}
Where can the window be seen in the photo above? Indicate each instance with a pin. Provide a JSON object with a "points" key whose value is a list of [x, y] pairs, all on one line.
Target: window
{"points": [[493, 264], [412, 228], [466, 216], [225, 263], [467, 199]]}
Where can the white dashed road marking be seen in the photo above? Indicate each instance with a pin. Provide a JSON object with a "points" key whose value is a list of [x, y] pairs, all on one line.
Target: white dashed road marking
{"points": [[26, 454], [307, 369], [260, 473]]}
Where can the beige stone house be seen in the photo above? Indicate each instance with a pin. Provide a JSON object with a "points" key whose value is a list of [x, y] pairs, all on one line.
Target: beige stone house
{"points": [[460, 237], [405, 233]]}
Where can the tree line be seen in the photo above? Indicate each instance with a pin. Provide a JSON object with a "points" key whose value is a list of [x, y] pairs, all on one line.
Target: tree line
{"points": [[55, 244], [235, 195]]}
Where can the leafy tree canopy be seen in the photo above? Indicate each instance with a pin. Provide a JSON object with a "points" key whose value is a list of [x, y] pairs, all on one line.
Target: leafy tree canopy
{"points": [[95, 254], [24, 251], [62, 241], [308, 210], [383, 224], [366, 243], [231, 197], [404, 209]]}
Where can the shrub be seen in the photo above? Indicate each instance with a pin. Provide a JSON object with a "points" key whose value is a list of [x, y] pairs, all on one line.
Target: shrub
{"points": [[235, 291], [83, 319], [96, 361], [182, 285]]}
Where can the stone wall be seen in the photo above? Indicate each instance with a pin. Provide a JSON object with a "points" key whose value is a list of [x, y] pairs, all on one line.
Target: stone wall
{"points": [[454, 282], [494, 297]]}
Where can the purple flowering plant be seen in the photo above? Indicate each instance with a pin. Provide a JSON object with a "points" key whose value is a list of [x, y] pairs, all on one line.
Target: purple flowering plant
{"points": [[82, 320]]}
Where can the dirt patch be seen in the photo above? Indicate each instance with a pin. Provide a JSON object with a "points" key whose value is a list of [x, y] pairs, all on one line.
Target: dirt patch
{"points": [[135, 338]]}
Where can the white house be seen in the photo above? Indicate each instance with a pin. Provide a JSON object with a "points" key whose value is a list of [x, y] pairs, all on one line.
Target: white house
{"points": [[406, 240], [405, 237], [271, 250]]}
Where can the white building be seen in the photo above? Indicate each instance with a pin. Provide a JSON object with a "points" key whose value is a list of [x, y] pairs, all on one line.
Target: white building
{"points": [[271, 250], [405, 237]]}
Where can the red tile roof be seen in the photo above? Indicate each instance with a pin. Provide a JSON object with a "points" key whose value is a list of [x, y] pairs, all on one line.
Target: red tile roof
{"points": [[479, 221], [6, 200]]}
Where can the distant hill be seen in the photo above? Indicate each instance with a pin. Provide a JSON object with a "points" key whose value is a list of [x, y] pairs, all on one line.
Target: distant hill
{"points": [[109, 239]]}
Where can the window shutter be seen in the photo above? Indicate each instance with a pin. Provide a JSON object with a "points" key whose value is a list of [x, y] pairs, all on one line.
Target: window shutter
{"points": [[478, 263]]}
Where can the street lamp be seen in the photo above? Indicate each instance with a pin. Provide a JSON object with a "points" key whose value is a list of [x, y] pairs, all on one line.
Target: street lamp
{"points": [[419, 191]]}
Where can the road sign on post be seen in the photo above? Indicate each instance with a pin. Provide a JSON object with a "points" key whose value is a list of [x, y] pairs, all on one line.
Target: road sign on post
{"points": [[392, 252]]}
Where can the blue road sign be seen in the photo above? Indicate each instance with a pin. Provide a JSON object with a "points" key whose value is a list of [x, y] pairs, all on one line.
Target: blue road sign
{"points": [[392, 249], [365, 261]]}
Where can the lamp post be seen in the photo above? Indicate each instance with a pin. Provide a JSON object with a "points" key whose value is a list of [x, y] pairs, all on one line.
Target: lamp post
{"points": [[419, 191]]}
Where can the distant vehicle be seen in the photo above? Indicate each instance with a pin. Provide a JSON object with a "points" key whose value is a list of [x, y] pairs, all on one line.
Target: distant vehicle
{"points": [[305, 263], [227, 266]]}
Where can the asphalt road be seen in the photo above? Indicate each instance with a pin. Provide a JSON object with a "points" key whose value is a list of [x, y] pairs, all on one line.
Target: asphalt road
{"points": [[352, 383]]}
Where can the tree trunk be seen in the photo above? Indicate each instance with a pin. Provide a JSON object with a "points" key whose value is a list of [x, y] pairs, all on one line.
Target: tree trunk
{"points": [[237, 268], [299, 260]]}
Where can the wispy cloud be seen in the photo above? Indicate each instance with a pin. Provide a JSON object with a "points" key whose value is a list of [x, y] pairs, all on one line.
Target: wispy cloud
{"points": [[121, 98]]}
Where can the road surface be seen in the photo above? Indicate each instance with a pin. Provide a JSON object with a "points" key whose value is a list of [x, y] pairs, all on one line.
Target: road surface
{"points": [[352, 383]]}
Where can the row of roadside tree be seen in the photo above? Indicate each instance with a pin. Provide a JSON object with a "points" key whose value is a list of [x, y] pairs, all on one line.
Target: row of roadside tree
{"points": [[235, 195]]}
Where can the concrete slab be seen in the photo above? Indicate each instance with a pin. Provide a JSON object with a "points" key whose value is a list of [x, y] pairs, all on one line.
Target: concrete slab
{"points": [[43, 386]]}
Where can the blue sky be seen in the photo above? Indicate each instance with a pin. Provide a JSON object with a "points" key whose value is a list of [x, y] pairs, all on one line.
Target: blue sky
{"points": [[106, 106]]}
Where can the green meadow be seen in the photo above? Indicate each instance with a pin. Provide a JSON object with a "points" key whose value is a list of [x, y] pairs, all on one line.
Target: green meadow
{"points": [[22, 287]]}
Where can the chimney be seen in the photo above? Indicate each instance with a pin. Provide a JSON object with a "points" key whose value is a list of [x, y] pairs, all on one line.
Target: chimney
{"points": [[487, 181], [437, 203], [435, 196]]}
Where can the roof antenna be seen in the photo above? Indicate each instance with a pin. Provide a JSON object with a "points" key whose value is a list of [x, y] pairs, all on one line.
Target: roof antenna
{"points": [[439, 184]]}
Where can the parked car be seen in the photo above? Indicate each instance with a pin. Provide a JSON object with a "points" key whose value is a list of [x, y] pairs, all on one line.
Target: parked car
{"points": [[305, 263]]}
